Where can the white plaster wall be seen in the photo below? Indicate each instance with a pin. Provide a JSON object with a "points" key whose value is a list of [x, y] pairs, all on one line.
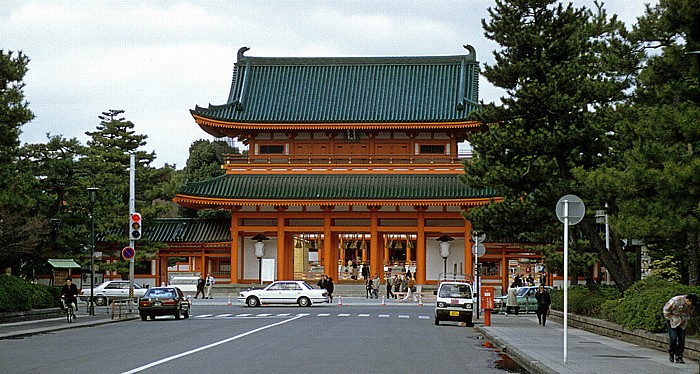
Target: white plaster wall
{"points": [[434, 262], [250, 262]]}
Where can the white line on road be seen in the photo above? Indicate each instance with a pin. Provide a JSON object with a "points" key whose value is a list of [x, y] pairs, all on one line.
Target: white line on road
{"points": [[343, 315], [283, 315], [424, 317], [323, 315], [162, 361], [224, 315], [244, 315], [264, 315], [204, 315], [403, 316], [383, 316], [363, 315]]}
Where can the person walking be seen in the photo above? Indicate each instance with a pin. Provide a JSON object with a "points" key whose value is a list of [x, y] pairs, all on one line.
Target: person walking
{"points": [[365, 271], [512, 300], [208, 284], [544, 299], [410, 288], [322, 282], [368, 288], [677, 312], [200, 287], [389, 286], [397, 284], [375, 286], [328, 285]]}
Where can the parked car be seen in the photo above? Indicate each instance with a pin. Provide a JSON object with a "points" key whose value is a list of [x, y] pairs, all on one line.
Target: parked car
{"points": [[526, 300], [284, 292], [455, 302], [164, 301], [111, 290]]}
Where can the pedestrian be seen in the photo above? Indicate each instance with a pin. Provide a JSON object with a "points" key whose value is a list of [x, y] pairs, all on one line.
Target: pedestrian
{"points": [[530, 280], [677, 312], [200, 287], [410, 289], [368, 288], [322, 282], [544, 300], [355, 272], [328, 285], [389, 286], [512, 300], [397, 284], [209, 282], [375, 286], [365, 271], [518, 281]]}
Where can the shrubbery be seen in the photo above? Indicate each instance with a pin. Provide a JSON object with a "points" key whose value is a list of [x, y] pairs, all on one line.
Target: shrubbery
{"points": [[640, 308], [18, 295], [585, 302]]}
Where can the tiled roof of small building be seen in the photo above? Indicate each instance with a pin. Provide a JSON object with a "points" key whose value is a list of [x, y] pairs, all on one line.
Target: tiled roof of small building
{"points": [[349, 90], [335, 187]]}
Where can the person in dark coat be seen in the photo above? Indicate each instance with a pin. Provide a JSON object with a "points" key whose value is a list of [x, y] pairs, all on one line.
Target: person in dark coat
{"points": [[69, 292], [328, 285], [200, 287], [543, 301], [365, 271]]}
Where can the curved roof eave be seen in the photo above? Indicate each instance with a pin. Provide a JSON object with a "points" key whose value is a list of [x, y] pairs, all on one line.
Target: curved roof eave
{"points": [[202, 202]]}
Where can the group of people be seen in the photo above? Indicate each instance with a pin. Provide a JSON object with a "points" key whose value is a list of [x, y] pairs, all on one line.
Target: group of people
{"points": [[372, 286], [401, 283], [544, 300], [204, 286], [326, 283]]}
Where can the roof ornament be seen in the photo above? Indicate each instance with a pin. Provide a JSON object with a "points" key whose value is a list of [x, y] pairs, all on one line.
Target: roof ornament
{"points": [[241, 51], [472, 52]]}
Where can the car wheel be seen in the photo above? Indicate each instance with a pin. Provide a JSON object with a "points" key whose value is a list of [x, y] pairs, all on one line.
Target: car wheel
{"points": [[304, 301], [153, 317], [252, 301], [144, 317], [100, 300], [437, 322], [177, 313]]}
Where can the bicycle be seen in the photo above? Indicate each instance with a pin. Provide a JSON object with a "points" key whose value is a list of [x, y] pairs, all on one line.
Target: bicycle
{"points": [[70, 309]]}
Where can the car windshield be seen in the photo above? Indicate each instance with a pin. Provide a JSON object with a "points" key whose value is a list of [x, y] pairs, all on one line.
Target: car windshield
{"points": [[161, 293], [306, 285], [460, 291], [523, 291]]}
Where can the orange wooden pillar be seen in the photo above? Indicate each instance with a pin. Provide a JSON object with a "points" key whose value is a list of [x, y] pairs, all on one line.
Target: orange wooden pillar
{"points": [[504, 271], [420, 248], [375, 253], [468, 256], [281, 244], [234, 246], [330, 262]]}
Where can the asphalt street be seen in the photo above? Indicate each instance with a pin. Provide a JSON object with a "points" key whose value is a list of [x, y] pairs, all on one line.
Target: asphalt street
{"points": [[271, 339]]}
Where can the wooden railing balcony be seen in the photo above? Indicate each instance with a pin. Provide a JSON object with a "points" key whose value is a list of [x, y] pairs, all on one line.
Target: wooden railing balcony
{"points": [[350, 159]]}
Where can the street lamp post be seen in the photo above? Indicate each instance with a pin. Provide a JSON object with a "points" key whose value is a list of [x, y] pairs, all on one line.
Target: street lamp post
{"points": [[259, 252], [92, 193], [444, 252]]}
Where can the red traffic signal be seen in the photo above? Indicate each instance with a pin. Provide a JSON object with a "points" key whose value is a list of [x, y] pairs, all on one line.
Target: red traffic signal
{"points": [[135, 226]]}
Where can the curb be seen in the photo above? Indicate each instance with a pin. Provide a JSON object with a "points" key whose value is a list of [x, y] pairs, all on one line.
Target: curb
{"points": [[527, 362]]}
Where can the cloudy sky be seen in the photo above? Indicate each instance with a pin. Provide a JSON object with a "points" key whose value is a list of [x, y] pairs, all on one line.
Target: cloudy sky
{"points": [[158, 59]]}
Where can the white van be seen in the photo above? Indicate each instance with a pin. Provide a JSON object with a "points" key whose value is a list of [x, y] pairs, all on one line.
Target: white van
{"points": [[187, 284], [455, 302]]}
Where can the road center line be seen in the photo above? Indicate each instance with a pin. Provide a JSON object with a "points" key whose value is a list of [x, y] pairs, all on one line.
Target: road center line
{"points": [[186, 353]]}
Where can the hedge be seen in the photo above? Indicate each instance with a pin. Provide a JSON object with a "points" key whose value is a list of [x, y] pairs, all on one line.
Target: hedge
{"points": [[18, 295], [640, 308]]}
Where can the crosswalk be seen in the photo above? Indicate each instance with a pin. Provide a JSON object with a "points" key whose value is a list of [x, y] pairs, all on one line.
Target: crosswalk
{"points": [[318, 315]]}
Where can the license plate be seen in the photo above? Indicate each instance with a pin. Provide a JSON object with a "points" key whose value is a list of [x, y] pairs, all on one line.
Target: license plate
{"points": [[454, 313]]}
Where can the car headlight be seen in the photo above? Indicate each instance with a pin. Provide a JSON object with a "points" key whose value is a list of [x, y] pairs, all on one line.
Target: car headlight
{"points": [[441, 304], [467, 306]]}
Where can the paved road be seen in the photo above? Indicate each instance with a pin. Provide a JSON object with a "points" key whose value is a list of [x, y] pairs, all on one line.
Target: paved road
{"points": [[224, 339]]}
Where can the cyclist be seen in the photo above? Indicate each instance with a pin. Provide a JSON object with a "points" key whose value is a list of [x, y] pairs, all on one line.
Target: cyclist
{"points": [[69, 293]]}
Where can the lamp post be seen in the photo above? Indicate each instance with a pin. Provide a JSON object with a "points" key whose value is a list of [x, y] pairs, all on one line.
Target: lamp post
{"points": [[444, 251], [92, 193], [259, 252]]}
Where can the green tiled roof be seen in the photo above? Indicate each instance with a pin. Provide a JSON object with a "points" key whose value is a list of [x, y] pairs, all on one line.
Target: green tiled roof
{"points": [[350, 90], [186, 230], [335, 187]]}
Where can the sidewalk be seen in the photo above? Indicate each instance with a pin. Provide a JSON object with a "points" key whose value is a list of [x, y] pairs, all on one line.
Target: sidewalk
{"points": [[541, 349], [103, 315]]}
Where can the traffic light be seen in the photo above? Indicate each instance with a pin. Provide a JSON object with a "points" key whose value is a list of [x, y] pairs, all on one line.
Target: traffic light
{"points": [[135, 226]]}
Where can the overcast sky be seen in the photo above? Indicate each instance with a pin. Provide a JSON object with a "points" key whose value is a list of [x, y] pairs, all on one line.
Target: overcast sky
{"points": [[158, 59]]}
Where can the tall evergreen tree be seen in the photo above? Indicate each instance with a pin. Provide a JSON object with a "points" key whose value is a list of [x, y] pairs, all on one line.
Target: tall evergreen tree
{"points": [[563, 69]]}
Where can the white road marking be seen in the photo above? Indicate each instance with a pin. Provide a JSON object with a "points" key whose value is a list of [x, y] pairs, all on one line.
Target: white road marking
{"points": [[243, 315], [323, 315], [424, 317], [363, 315], [282, 314], [403, 316], [303, 314], [264, 315], [224, 315], [186, 353], [383, 316], [343, 315], [204, 315]]}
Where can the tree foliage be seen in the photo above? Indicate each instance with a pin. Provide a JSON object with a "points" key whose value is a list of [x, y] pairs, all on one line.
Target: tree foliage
{"points": [[564, 69]]}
